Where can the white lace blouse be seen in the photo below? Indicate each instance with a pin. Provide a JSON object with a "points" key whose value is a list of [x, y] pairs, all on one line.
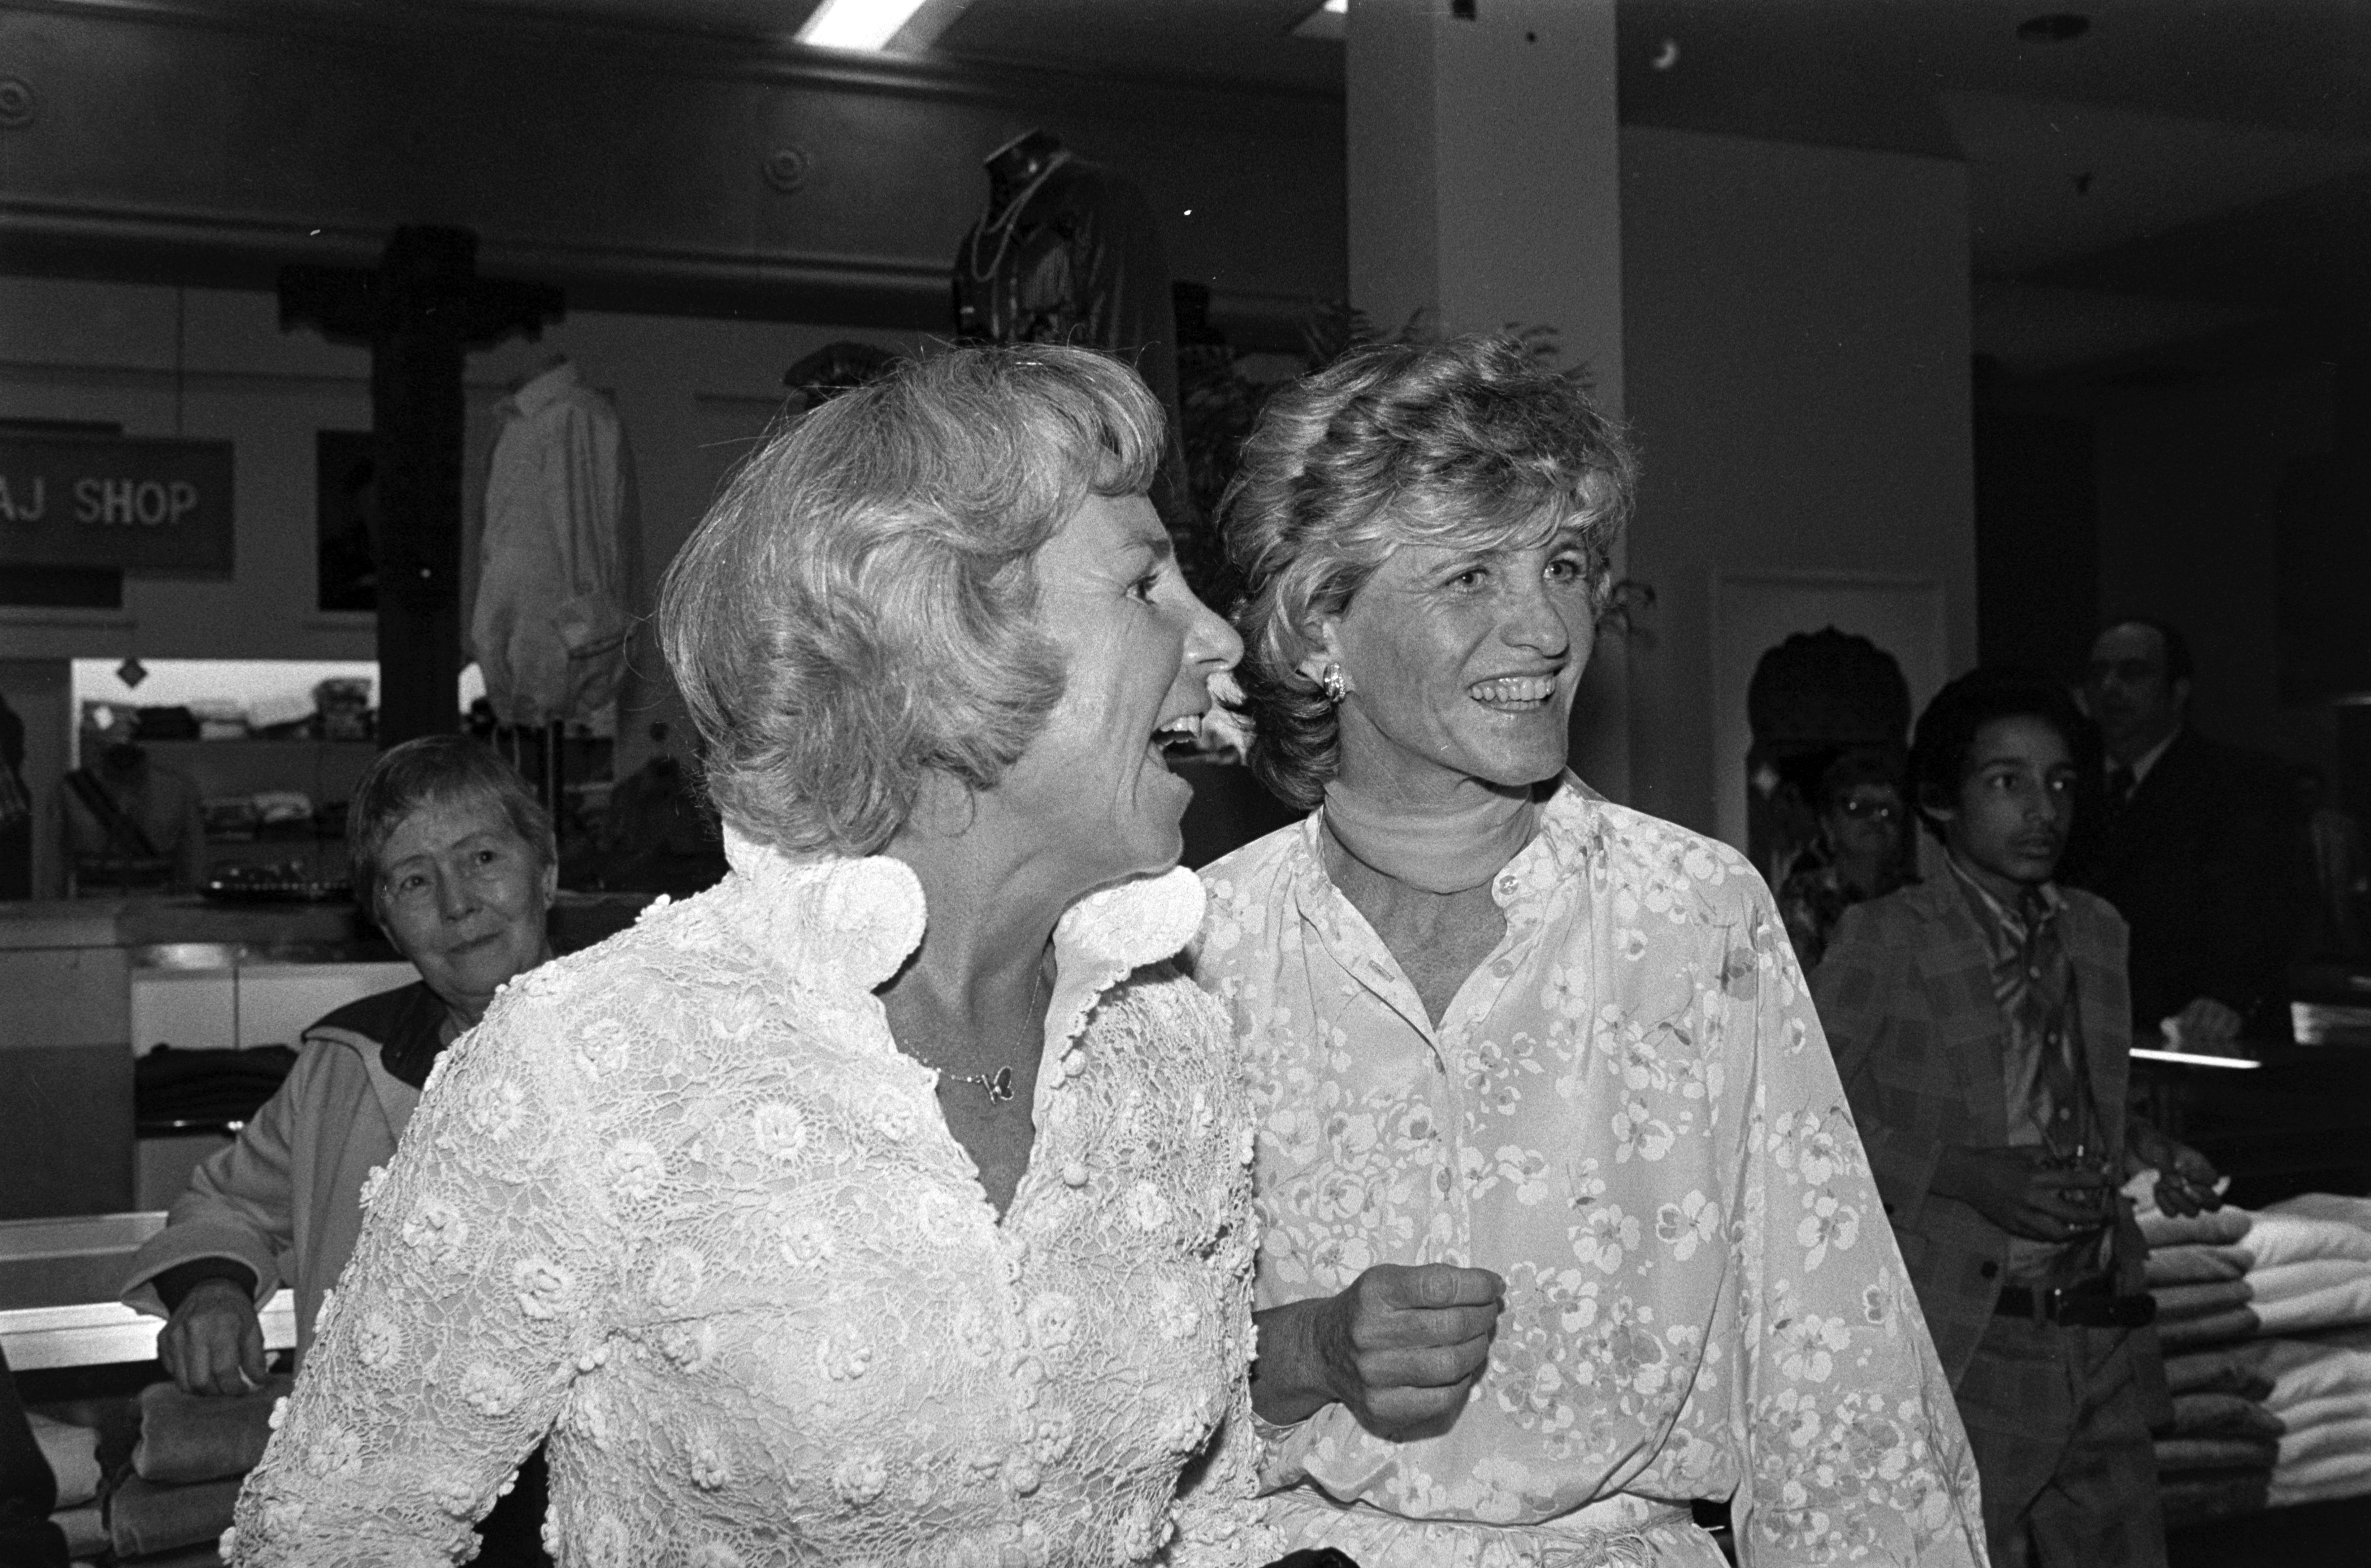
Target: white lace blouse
{"points": [[682, 1205]]}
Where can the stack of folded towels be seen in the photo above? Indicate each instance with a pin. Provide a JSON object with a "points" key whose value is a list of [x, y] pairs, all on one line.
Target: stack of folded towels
{"points": [[194, 1452], [2265, 1319], [73, 1454]]}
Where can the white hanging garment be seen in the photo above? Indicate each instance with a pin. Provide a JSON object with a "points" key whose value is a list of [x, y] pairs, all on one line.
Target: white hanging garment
{"points": [[551, 625]]}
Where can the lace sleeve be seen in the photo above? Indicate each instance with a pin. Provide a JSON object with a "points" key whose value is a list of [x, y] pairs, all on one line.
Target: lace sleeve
{"points": [[1220, 1520], [475, 1295], [1222, 1523]]}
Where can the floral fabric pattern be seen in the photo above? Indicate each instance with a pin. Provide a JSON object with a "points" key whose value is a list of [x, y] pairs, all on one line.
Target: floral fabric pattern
{"points": [[1629, 1112], [681, 1204]]}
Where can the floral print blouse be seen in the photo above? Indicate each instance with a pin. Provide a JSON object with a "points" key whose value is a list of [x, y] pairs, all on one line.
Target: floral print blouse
{"points": [[681, 1204], [1630, 1113]]}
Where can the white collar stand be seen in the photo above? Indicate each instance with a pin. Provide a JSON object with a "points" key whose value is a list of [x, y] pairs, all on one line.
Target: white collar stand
{"points": [[865, 915]]}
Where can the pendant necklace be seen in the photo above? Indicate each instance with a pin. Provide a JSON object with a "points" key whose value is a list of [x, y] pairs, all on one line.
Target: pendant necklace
{"points": [[997, 1085]]}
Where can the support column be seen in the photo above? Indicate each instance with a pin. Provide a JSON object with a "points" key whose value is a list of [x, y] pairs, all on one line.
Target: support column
{"points": [[420, 312], [1484, 186]]}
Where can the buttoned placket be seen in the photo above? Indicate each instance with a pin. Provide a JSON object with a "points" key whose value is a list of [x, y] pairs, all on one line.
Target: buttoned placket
{"points": [[1360, 951]]}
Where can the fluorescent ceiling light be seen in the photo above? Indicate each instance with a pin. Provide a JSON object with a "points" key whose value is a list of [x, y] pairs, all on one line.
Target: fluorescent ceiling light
{"points": [[2194, 1058], [857, 24], [1326, 21]]}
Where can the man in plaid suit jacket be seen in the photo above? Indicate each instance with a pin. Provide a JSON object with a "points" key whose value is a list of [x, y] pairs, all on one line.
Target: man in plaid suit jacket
{"points": [[1981, 1023]]}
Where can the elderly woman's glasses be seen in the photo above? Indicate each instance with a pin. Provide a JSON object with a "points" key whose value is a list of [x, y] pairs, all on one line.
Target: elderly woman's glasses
{"points": [[1861, 809]]}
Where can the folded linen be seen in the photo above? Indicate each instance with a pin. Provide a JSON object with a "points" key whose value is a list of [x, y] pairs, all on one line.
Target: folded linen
{"points": [[2179, 1303], [2326, 1411], [2305, 1445], [2196, 1265], [72, 1454], [2335, 1374], [2323, 1479], [2236, 1322], [192, 1437], [2219, 1369], [2276, 1282], [2223, 1451], [85, 1529], [2220, 1228], [2211, 1415], [2289, 1237], [143, 1516], [2192, 1497], [2328, 1306], [2356, 1212], [206, 1556]]}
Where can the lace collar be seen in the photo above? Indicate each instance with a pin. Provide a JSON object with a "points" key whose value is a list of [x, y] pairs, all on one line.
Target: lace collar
{"points": [[862, 916]]}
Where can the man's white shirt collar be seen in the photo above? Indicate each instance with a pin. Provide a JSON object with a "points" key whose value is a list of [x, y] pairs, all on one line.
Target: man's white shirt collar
{"points": [[2148, 759]]}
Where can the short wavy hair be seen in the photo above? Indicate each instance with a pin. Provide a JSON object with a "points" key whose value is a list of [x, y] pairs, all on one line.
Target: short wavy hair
{"points": [[437, 770], [1943, 749], [1468, 445], [859, 610]]}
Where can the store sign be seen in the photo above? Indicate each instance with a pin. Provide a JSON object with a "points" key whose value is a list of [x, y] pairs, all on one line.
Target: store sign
{"points": [[143, 506]]}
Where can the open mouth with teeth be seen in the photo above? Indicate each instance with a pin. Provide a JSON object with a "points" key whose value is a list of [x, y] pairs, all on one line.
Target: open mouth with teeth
{"points": [[1179, 739], [1514, 694]]}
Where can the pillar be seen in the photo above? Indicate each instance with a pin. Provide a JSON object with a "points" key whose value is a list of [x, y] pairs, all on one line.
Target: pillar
{"points": [[1485, 188]]}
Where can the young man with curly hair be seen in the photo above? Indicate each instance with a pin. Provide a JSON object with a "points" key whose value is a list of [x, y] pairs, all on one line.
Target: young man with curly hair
{"points": [[1981, 1022]]}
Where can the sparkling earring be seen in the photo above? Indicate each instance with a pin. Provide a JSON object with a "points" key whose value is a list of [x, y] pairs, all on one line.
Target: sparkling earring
{"points": [[1336, 684]]}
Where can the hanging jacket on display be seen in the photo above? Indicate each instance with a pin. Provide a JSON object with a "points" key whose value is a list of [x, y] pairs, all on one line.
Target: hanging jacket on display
{"points": [[550, 623]]}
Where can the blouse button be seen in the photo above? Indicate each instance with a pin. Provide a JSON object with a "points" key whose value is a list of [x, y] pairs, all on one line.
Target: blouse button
{"points": [[1507, 884], [1074, 1174]]}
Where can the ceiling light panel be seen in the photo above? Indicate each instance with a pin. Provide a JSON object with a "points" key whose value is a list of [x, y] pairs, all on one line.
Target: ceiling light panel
{"points": [[857, 24]]}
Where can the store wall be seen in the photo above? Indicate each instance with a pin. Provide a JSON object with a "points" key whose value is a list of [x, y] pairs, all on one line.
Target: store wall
{"points": [[1797, 364], [694, 396]]}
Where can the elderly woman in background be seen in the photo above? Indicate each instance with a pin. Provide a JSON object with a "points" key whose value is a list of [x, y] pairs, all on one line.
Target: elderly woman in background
{"points": [[1566, 1224], [1862, 852], [455, 859], [890, 1200]]}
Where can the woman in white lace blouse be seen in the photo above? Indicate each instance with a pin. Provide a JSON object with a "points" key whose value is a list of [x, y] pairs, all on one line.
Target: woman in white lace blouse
{"points": [[887, 1204], [1568, 1224]]}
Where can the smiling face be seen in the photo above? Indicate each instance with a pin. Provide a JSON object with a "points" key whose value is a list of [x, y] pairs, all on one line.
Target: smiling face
{"points": [[463, 898], [2015, 806], [1093, 796], [1461, 666]]}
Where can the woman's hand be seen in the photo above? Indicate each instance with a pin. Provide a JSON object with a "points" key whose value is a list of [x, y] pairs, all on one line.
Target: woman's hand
{"points": [[2017, 1190], [1400, 1348], [214, 1342]]}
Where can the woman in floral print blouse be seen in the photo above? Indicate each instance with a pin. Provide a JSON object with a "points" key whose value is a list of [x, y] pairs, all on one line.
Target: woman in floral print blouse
{"points": [[808, 1230], [1566, 1222]]}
